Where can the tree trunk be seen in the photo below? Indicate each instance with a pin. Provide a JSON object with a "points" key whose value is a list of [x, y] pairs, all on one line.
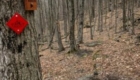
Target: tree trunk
{"points": [[124, 15], [99, 15], [19, 56], [81, 22], [132, 18], [65, 16], [72, 25], [51, 23], [58, 33], [92, 16], [116, 15]]}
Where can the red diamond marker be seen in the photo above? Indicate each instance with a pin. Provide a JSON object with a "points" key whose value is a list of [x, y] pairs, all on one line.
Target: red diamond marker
{"points": [[17, 23]]}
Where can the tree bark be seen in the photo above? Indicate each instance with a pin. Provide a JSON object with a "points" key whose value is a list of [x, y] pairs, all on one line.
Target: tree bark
{"points": [[124, 15], [132, 18], [92, 16], [81, 22], [65, 16], [72, 25], [51, 23], [58, 33], [19, 56]]}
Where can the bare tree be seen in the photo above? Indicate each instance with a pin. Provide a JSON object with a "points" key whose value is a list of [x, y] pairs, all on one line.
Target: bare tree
{"points": [[58, 34], [81, 22], [132, 17], [124, 15], [91, 17], [72, 25], [51, 22], [65, 17], [116, 15]]}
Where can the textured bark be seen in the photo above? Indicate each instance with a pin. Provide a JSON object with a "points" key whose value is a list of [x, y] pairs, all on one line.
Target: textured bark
{"points": [[58, 33], [51, 23], [81, 22], [41, 17], [19, 56], [59, 40], [72, 25]]}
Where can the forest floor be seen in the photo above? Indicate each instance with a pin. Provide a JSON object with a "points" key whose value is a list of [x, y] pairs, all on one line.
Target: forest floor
{"points": [[116, 56]]}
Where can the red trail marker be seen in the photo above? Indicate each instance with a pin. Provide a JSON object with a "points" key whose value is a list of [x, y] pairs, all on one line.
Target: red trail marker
{"points": [[17, 23]]}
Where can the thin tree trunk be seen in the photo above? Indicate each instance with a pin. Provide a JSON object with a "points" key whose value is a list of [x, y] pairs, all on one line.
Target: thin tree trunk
{"points": [[99, 15], [124, 15], [72, 25], [116, 15], [81, 22], [91, 16], [65, 18], [132, 18]]}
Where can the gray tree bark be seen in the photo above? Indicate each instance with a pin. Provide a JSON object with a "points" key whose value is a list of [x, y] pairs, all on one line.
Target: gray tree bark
{"points": [[91, 17], [81, 22], [51, 23], [65, 16], [19, 56], [58, 33], [72, 25]]}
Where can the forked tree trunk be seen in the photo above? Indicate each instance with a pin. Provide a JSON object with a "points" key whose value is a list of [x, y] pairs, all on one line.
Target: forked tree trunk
{"points": [[19, 56]]}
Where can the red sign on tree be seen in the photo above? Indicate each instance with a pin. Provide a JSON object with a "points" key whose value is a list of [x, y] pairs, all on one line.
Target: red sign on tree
{"points": [[17, 23]]}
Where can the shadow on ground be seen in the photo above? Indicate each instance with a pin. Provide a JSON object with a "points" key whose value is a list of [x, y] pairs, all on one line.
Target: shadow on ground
{"points": [[84, 52]]}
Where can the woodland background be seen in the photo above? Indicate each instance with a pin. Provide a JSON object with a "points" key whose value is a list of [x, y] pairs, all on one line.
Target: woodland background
{"points": [[72, 40], [106, 39]]}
